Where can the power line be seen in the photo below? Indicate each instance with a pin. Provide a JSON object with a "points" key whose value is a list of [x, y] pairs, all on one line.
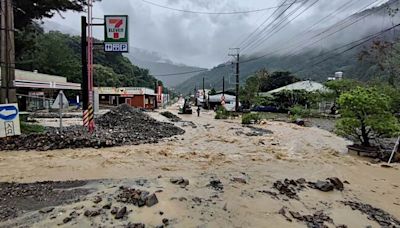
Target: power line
{"points": [[274, 31], [265, 32], [260, 57], [278, 50], [259, 27], [270, 24], [308, 39], [362, 41], [344, 21], [332, 14], [347, 4], [265, 21], [213, 13]]}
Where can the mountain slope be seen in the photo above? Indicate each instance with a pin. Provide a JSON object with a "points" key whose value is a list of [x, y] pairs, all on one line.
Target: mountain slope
{"points": [[159, 65]]}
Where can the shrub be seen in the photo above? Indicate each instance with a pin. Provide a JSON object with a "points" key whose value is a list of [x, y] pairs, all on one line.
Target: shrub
{"points": [[299, 111], [249, 118], [222, 113]]}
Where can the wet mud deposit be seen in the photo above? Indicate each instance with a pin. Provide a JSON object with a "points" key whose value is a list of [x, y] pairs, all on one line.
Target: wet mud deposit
{"points": [[19, 198], [281, 175], [123, 125]]}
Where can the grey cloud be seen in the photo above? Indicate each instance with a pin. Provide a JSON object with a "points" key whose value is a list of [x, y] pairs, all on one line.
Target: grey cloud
{"points": [[203, 40]]}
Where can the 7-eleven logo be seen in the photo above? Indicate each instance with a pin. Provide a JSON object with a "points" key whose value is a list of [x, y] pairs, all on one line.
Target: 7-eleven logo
{"points": [[116, 27], [117, 24]]}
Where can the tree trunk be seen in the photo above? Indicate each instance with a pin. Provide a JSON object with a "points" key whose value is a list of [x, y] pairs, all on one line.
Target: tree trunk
{"points": [[364, 135]]}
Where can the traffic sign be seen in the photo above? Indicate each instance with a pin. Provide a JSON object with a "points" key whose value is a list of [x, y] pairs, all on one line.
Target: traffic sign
{"points": [[9, 120], [116, 33]]}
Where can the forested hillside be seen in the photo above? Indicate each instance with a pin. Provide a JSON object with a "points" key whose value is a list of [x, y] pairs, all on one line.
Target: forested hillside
{"points": [[60, 54]]}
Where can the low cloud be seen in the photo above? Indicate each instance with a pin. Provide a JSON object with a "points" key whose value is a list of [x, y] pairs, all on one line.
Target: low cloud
{"points": [[203, 40]]}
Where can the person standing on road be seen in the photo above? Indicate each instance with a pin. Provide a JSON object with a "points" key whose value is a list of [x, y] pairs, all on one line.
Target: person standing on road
{"points": [[198, 111]]}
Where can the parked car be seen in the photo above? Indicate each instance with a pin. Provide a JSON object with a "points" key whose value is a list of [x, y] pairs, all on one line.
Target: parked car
{"points": [[264, 109]]}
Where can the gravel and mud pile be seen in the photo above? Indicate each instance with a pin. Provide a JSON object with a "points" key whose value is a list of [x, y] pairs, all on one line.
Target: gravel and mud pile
{"points": [[380, 216], [123, 125], [171, 116], [16, 198]]}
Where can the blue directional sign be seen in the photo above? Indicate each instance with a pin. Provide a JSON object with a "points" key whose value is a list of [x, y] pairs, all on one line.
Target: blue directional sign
{"points": [[9, 120], [8, 113]]}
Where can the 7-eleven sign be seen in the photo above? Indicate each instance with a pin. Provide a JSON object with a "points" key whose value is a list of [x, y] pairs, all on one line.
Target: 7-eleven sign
{"points": [[116, 33]]}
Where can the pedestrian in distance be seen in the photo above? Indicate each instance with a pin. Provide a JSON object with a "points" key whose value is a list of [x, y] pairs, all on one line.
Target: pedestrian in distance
{"points": [[198, 111]]}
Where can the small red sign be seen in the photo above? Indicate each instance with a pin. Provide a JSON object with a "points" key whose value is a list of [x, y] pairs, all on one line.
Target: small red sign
{"points": [[127, 95]]}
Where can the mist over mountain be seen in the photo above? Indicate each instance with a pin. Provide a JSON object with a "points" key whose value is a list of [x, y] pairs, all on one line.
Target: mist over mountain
{"points": [[155, 62], [159, 65], [302, 54]]}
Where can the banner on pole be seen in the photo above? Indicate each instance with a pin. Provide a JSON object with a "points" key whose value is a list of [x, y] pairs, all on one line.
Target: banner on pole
{"points": [[116, 33]]}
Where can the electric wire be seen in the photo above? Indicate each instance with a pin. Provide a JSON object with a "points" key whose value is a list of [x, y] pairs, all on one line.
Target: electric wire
{"points": [[274, 32], [269, 30], [310, 41], [259, 27], [271, 23], [212, 13], [359, 43], [273, 52]]}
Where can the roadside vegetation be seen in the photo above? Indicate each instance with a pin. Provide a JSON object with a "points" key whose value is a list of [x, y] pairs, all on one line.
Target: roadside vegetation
{"points": [[364, 112], [251, 118], [28, 128], [222, 113]]}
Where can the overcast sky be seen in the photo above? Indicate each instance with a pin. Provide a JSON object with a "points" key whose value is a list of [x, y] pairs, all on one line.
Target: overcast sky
{"points": [[203, 40]]}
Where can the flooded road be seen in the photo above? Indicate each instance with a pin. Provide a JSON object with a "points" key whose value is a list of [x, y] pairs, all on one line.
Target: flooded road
{"points": [[216, 149]]}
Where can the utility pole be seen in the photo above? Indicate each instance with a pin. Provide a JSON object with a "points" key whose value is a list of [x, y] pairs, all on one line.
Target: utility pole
{"points": [[85, 80], [8, 91], [223, 86], [237, 55], [156, 91], [204, 92], [204, 95]]}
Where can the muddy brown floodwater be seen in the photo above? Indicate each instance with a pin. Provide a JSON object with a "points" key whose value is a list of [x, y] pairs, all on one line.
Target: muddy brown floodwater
{"points": [[228, 171]]}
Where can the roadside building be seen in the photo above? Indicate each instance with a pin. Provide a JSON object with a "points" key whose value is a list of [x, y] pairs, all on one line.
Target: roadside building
{"points": [[309, 86], [37, 91], [222, 99], [139, 97], [201, 97]]}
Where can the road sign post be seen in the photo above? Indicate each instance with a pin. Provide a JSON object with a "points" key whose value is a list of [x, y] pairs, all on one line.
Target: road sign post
{"points": [[9, 120], [116, 33], [115, 40]]}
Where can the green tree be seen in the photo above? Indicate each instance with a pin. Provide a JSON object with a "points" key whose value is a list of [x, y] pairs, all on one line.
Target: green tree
{"points": [[366, 115], [248, 92], [286, 99], [28, 12], [337, 87], [212, 92], [54, 56], [105, 76], [276, 80]]}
